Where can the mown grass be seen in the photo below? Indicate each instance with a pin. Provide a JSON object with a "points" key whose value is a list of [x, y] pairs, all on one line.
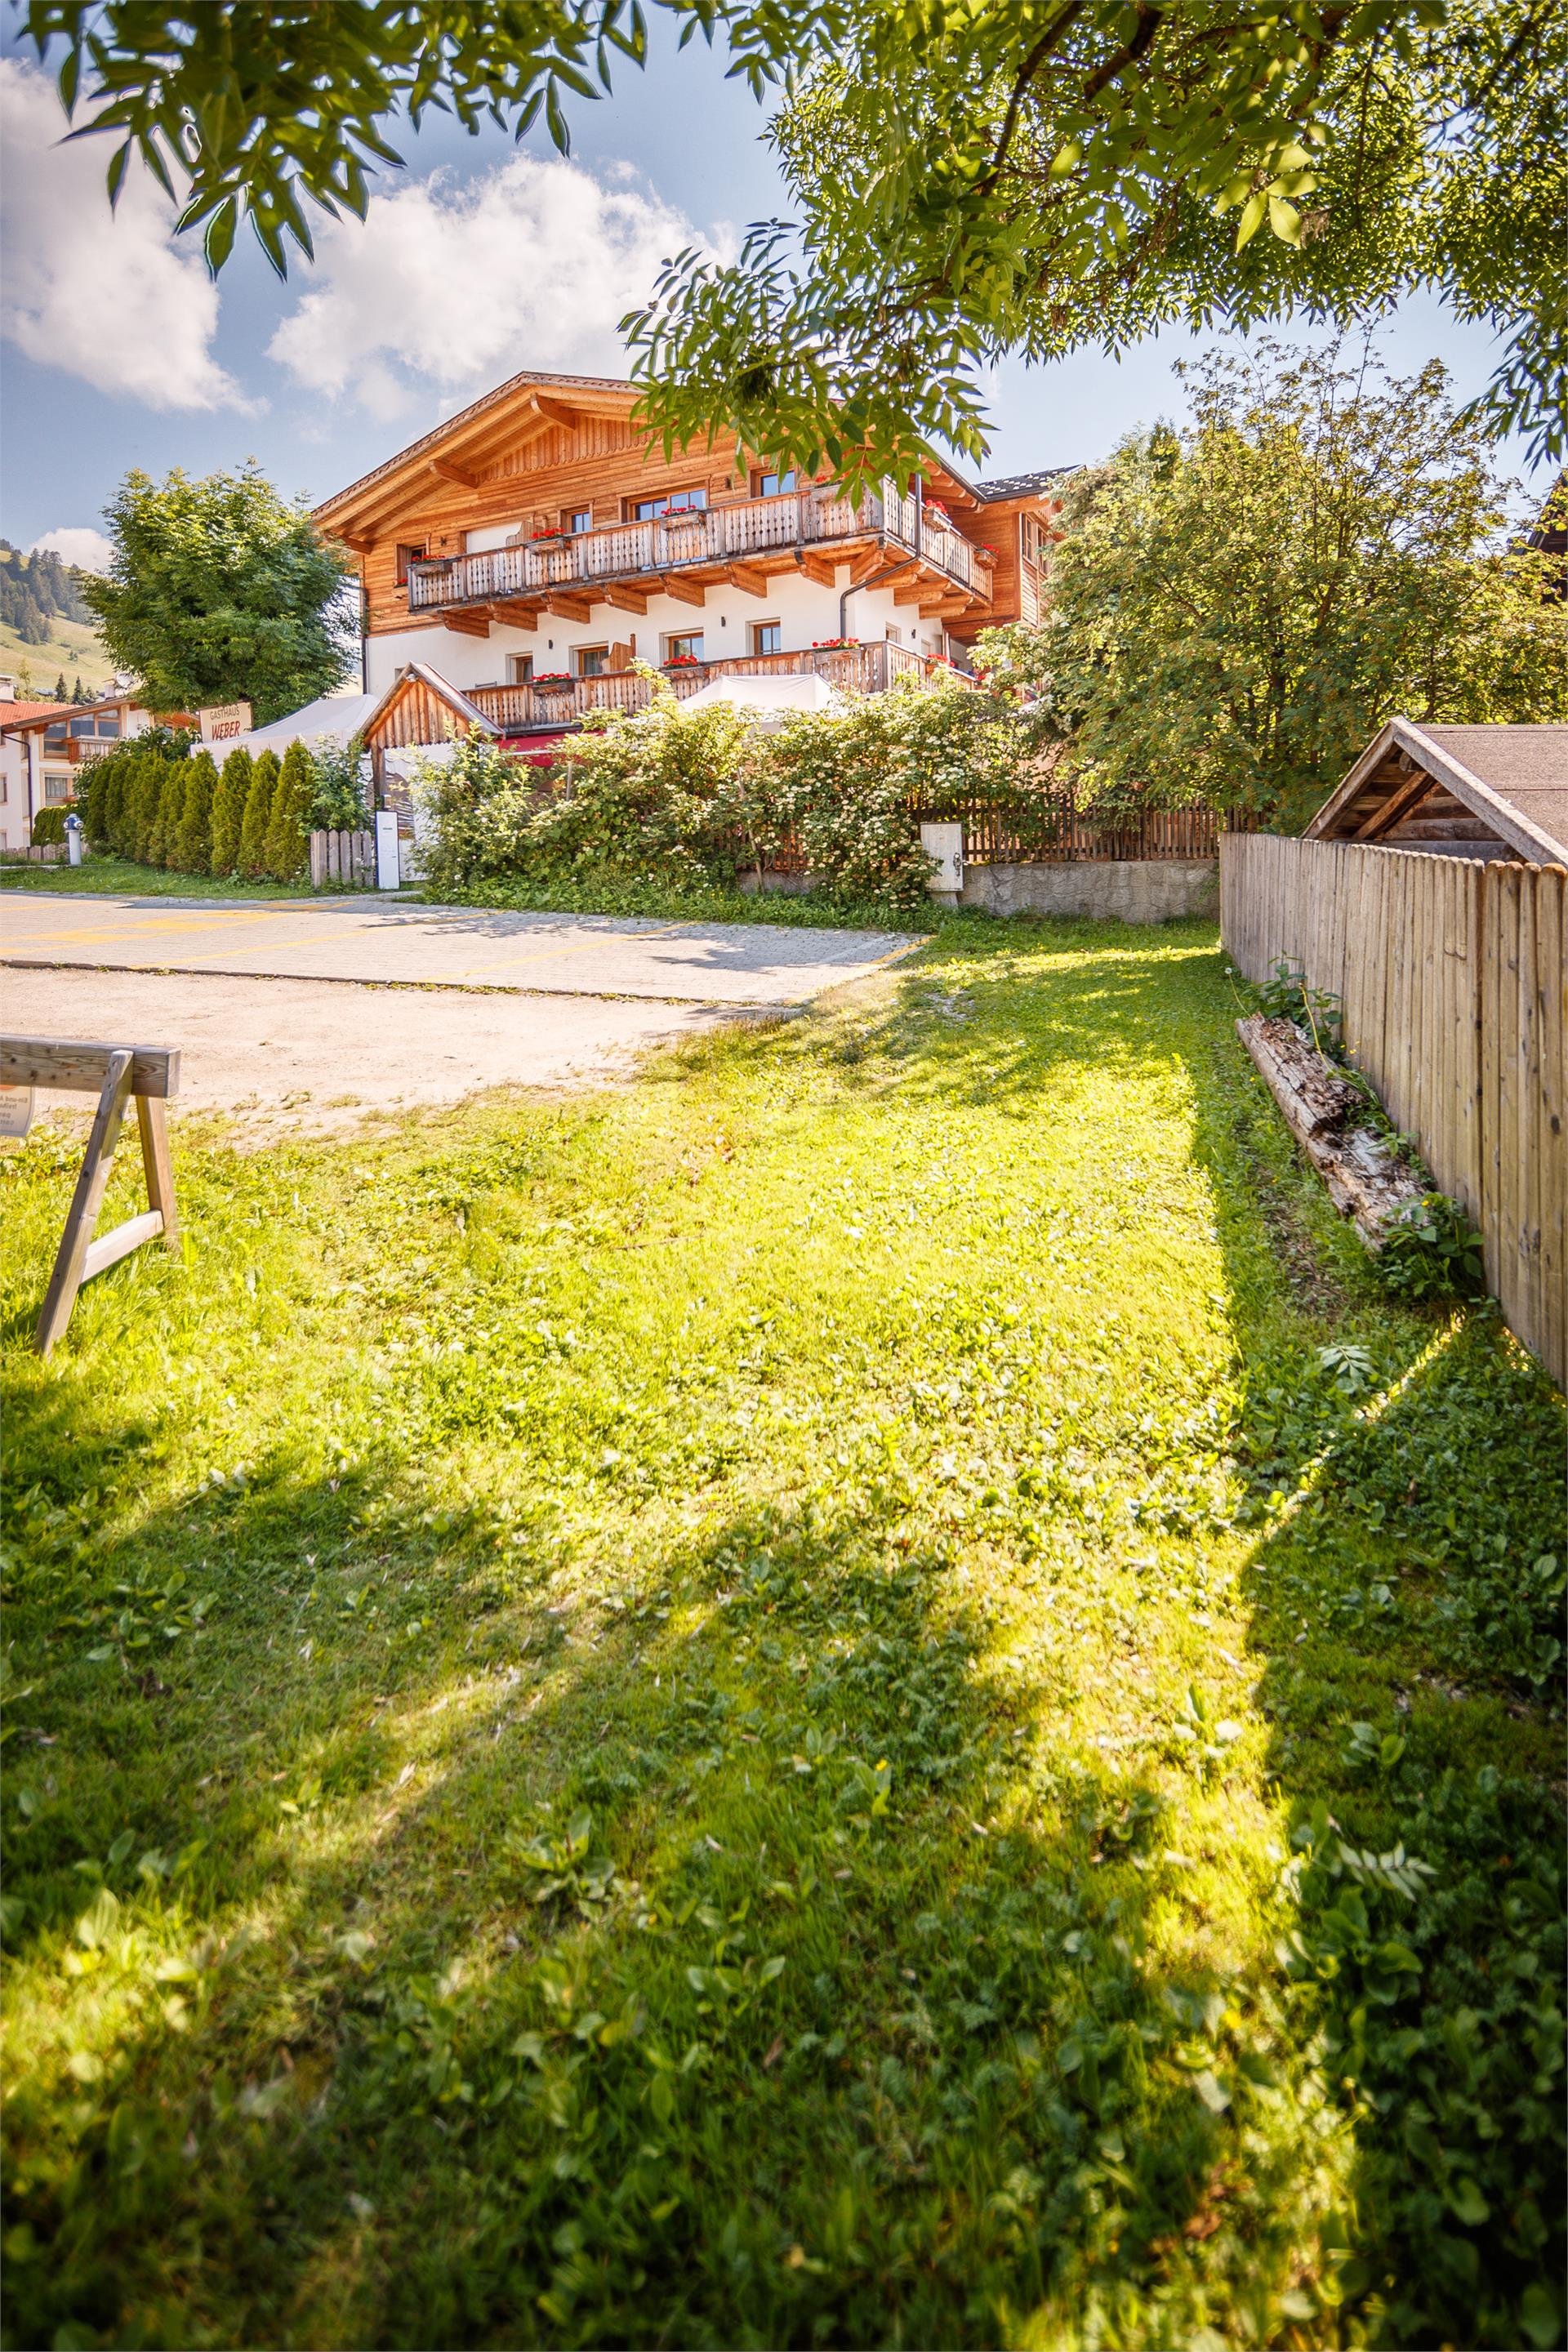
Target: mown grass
{"points": [[785, 1706], [121, 877]]}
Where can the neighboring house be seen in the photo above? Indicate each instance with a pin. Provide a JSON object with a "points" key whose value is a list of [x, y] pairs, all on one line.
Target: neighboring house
{"points": [[526, 552], [1455, 792], [44, 746]]}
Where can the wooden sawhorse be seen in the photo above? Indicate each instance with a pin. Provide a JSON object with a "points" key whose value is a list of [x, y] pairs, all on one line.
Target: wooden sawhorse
{"points": [[115, 1074]]}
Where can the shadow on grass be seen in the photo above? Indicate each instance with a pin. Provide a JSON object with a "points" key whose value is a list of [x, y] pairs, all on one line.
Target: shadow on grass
{"points": [[843, 2019]]}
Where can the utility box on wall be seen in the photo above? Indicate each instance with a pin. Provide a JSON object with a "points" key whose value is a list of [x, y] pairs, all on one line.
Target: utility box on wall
{"points": [[944, 842]]}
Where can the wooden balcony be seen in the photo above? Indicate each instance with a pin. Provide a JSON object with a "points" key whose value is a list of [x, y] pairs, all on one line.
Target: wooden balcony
{"points": [[739, 543], [849, 670]]}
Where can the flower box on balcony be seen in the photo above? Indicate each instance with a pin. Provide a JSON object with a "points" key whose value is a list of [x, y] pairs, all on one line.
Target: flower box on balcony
{"points": [[553, 681], [682, 661], [834, 644], [546, 538]]}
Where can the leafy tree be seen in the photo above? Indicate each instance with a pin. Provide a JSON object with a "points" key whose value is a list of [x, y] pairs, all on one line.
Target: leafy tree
{"points": [[338, 800], [1236, 608], [219, 590], [229, 810], [971, 178], [257, 815], [288, 846], [194, 839]]}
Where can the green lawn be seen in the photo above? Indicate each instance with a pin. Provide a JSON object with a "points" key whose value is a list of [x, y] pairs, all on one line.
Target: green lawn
{"points": [[788, 1707], [120, 877]]}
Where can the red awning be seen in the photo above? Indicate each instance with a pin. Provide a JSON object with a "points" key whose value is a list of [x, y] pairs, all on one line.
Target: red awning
{"points": [[540, 751]]}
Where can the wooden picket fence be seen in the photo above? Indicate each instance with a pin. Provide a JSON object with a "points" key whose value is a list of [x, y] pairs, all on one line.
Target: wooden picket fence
{"points": [[342, 861], [1452, 974]]}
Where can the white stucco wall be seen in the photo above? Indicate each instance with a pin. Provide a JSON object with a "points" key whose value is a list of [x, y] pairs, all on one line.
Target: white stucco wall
{"points": [[805, 609]]}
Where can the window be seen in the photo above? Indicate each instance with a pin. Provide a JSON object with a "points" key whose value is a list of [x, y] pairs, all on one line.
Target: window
{"points": [[405, 556], [774, 486], [110, 725], [1035, 541], [518, 668], [675, 502], [577, 518], [767, 637], [80, 727], [687, 647], [592, 661], [57, 787], [56, 735]]}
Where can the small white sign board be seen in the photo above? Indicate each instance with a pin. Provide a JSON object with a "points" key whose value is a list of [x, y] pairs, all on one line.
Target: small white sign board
{"points": [[15, 1110], [221, 722]]}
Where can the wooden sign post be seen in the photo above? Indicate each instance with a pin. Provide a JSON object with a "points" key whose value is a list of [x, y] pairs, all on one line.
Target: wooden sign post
{"points": [[116, 1074]]}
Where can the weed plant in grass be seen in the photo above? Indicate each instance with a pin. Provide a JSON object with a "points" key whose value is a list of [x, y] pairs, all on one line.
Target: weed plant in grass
{"points": [[863, 1694], [122, 877]]}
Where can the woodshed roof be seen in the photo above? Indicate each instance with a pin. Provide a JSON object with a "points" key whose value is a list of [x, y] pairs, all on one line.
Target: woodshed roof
{"points": [[1479, 792]]}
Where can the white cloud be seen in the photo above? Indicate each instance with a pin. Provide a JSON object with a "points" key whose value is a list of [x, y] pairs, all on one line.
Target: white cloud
{"points": [[450, 285], [106, 298], [78, 544]]}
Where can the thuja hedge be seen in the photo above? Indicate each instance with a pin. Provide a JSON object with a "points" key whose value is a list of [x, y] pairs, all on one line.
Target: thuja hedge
{"points": [[160, 800], [702, 795]]}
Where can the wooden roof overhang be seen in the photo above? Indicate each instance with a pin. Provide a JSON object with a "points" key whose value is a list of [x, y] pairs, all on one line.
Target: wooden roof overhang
{"points": [[421, 708], [1407, 792], [456, 451]]}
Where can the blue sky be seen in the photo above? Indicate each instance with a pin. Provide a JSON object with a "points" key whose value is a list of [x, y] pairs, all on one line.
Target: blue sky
{"points": [[478, 259]]}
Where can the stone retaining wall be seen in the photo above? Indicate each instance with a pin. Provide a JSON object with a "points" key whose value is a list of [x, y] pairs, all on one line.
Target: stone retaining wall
{"points": [[1126, 891]]}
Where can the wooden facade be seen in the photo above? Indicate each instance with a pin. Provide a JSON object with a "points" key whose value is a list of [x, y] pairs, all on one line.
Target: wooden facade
{"points": [[532, 508]]}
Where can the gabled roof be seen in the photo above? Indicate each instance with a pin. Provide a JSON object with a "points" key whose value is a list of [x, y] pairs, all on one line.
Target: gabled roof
{"points": [[518, 397], [421, 683], [12, 714], [546, 397], [31, 714], [1513, 779]]}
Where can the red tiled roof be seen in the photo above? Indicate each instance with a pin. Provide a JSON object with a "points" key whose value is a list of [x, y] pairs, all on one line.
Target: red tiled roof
{"points": [[11, 712]]}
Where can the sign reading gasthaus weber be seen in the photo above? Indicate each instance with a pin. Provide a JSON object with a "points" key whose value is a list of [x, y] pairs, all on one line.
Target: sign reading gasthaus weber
{"points": [[222, 721]]}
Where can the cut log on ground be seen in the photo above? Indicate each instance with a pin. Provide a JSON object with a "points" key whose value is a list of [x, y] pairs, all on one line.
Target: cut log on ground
{"points": [[1321, 1108]]}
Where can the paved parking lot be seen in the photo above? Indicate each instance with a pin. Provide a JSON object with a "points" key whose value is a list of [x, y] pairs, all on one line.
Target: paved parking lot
{"points": [[310, 1015], [365, 939]]}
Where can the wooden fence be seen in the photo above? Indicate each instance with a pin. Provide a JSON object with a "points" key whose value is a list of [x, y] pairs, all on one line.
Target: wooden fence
{"points": [[1452, 974], [342, 861]]}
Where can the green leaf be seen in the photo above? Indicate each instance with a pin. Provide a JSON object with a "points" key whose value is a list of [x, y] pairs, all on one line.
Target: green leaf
{"points": [[1539, 2316], [1467, 2203]]}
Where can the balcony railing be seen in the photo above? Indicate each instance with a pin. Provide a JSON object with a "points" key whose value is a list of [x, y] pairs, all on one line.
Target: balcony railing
{"points": [[850, 669], [677, 542]]}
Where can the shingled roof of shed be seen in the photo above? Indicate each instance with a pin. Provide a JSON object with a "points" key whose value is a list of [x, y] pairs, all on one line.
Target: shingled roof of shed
{"points": [[1516, 778]]}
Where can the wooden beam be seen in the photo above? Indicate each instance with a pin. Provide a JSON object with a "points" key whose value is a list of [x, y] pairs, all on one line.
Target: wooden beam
{"points": [[742, 576], [861, 566], [1391, 805], [622, 598], [684, 591], [568, 608], [557, 411], [71, 1067], [820, 568], [446, 470], [516, 616], [468, 620]]}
